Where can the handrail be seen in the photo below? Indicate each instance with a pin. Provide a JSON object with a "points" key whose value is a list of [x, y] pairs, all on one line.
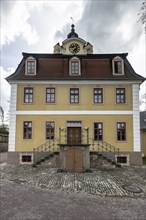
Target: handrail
{"points": [[106, 150], [39, 153]]}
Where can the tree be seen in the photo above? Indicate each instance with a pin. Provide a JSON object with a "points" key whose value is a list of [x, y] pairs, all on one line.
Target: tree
{"points": [[1, 115], [4, 129], [142, 14], [143, 100]]}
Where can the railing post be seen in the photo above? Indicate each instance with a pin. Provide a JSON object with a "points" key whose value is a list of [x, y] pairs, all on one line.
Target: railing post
{"points": [[106, 151], [87, 135], [34, 161], [59, 135]]}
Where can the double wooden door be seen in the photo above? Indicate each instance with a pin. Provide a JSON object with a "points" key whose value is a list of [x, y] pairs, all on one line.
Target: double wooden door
{"points": [[74, 135], [74, 159]]}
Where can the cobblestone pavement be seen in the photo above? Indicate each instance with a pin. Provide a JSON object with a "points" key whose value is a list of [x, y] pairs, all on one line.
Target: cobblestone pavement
{"points": [[107, 182]]}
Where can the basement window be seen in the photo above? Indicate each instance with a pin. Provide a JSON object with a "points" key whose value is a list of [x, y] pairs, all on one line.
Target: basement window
{"points": [[26, 158], [123, 159]]}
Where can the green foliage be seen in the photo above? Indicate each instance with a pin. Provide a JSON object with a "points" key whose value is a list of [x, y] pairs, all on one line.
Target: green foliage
{"points": [[142, 14], [4, 129]]}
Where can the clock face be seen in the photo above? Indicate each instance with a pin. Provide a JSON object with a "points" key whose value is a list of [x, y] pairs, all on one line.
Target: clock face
{"points": [[74, 48]]}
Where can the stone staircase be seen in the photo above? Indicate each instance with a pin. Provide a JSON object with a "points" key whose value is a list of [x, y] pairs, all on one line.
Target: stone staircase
{"points": [[44, 152], [104, 154]]}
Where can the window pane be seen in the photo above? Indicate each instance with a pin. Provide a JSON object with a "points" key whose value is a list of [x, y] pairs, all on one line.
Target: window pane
{"points": [[74, 95], [120, 95], [74, 67], [30, 67], [121, 131], [50, 129], [98, 131], [50, 95], [98, 95], [28, 95], [27, 130], [118, 67]]}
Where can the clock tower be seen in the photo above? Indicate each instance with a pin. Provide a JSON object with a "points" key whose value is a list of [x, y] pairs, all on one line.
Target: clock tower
{"points": [[73, 45]]}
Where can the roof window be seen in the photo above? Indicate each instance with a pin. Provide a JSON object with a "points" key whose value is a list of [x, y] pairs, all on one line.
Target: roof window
{"points": [[30, 66], [74, 67], [118, 66]]}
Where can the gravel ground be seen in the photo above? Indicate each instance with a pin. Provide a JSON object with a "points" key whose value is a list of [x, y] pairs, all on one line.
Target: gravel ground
{"points": [[42, 193], [24, 202], [106, 182]]}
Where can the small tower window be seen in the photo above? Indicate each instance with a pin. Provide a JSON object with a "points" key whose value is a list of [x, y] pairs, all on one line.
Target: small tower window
{"points": [[74, 67], [118, 66]]}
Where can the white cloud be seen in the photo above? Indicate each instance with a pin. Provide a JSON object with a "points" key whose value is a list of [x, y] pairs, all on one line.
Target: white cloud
{"points": [[16, 19], [5, 89], [15, 23], [111, 26]]}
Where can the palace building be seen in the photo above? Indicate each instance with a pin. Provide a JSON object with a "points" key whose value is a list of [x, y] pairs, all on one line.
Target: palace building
{"points": [[74, 103]]}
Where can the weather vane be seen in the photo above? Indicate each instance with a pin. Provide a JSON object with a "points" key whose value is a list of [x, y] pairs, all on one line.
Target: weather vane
{"points": [[72, 19]]}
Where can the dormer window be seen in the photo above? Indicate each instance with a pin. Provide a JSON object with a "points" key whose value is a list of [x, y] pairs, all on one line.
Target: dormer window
{"points": [[30, 66], [74, 67], [118, 66]]}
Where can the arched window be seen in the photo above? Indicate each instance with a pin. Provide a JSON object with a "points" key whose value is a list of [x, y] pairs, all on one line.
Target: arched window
{"points": [[74, 67], [30, 66]]}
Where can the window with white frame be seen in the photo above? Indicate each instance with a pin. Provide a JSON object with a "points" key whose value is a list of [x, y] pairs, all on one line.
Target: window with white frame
{"points": [[122, 159], [118, 66], [30, 66], [74, 67], [26, 158]]}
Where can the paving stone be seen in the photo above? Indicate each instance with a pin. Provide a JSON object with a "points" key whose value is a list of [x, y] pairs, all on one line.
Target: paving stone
{"points": [[108, 182]]}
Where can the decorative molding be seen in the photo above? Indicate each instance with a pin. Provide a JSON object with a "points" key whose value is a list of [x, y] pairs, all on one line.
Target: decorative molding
{"points": [[77, 82], [12, 124], [76, 112], [136, 119]]}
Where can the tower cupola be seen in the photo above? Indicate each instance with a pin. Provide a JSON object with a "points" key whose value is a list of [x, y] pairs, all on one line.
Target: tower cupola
{"points": [[72, 34]]}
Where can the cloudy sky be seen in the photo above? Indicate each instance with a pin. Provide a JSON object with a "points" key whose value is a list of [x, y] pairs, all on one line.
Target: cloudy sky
{"points": [[111, 26]]}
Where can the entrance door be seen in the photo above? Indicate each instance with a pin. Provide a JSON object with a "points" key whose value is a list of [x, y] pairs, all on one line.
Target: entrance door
{"points": [[74, 159], [74, 135]]}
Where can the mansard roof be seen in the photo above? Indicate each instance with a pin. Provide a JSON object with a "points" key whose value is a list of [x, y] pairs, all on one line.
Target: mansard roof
{"points": [[56, 67]]}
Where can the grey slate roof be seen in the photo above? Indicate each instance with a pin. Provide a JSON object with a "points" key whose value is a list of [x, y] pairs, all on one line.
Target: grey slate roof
{"points": [[143, 120]]}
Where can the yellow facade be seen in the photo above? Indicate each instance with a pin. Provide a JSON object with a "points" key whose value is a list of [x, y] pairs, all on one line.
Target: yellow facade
{"points": [[109, 129], [63, 100], [85, 103]]}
